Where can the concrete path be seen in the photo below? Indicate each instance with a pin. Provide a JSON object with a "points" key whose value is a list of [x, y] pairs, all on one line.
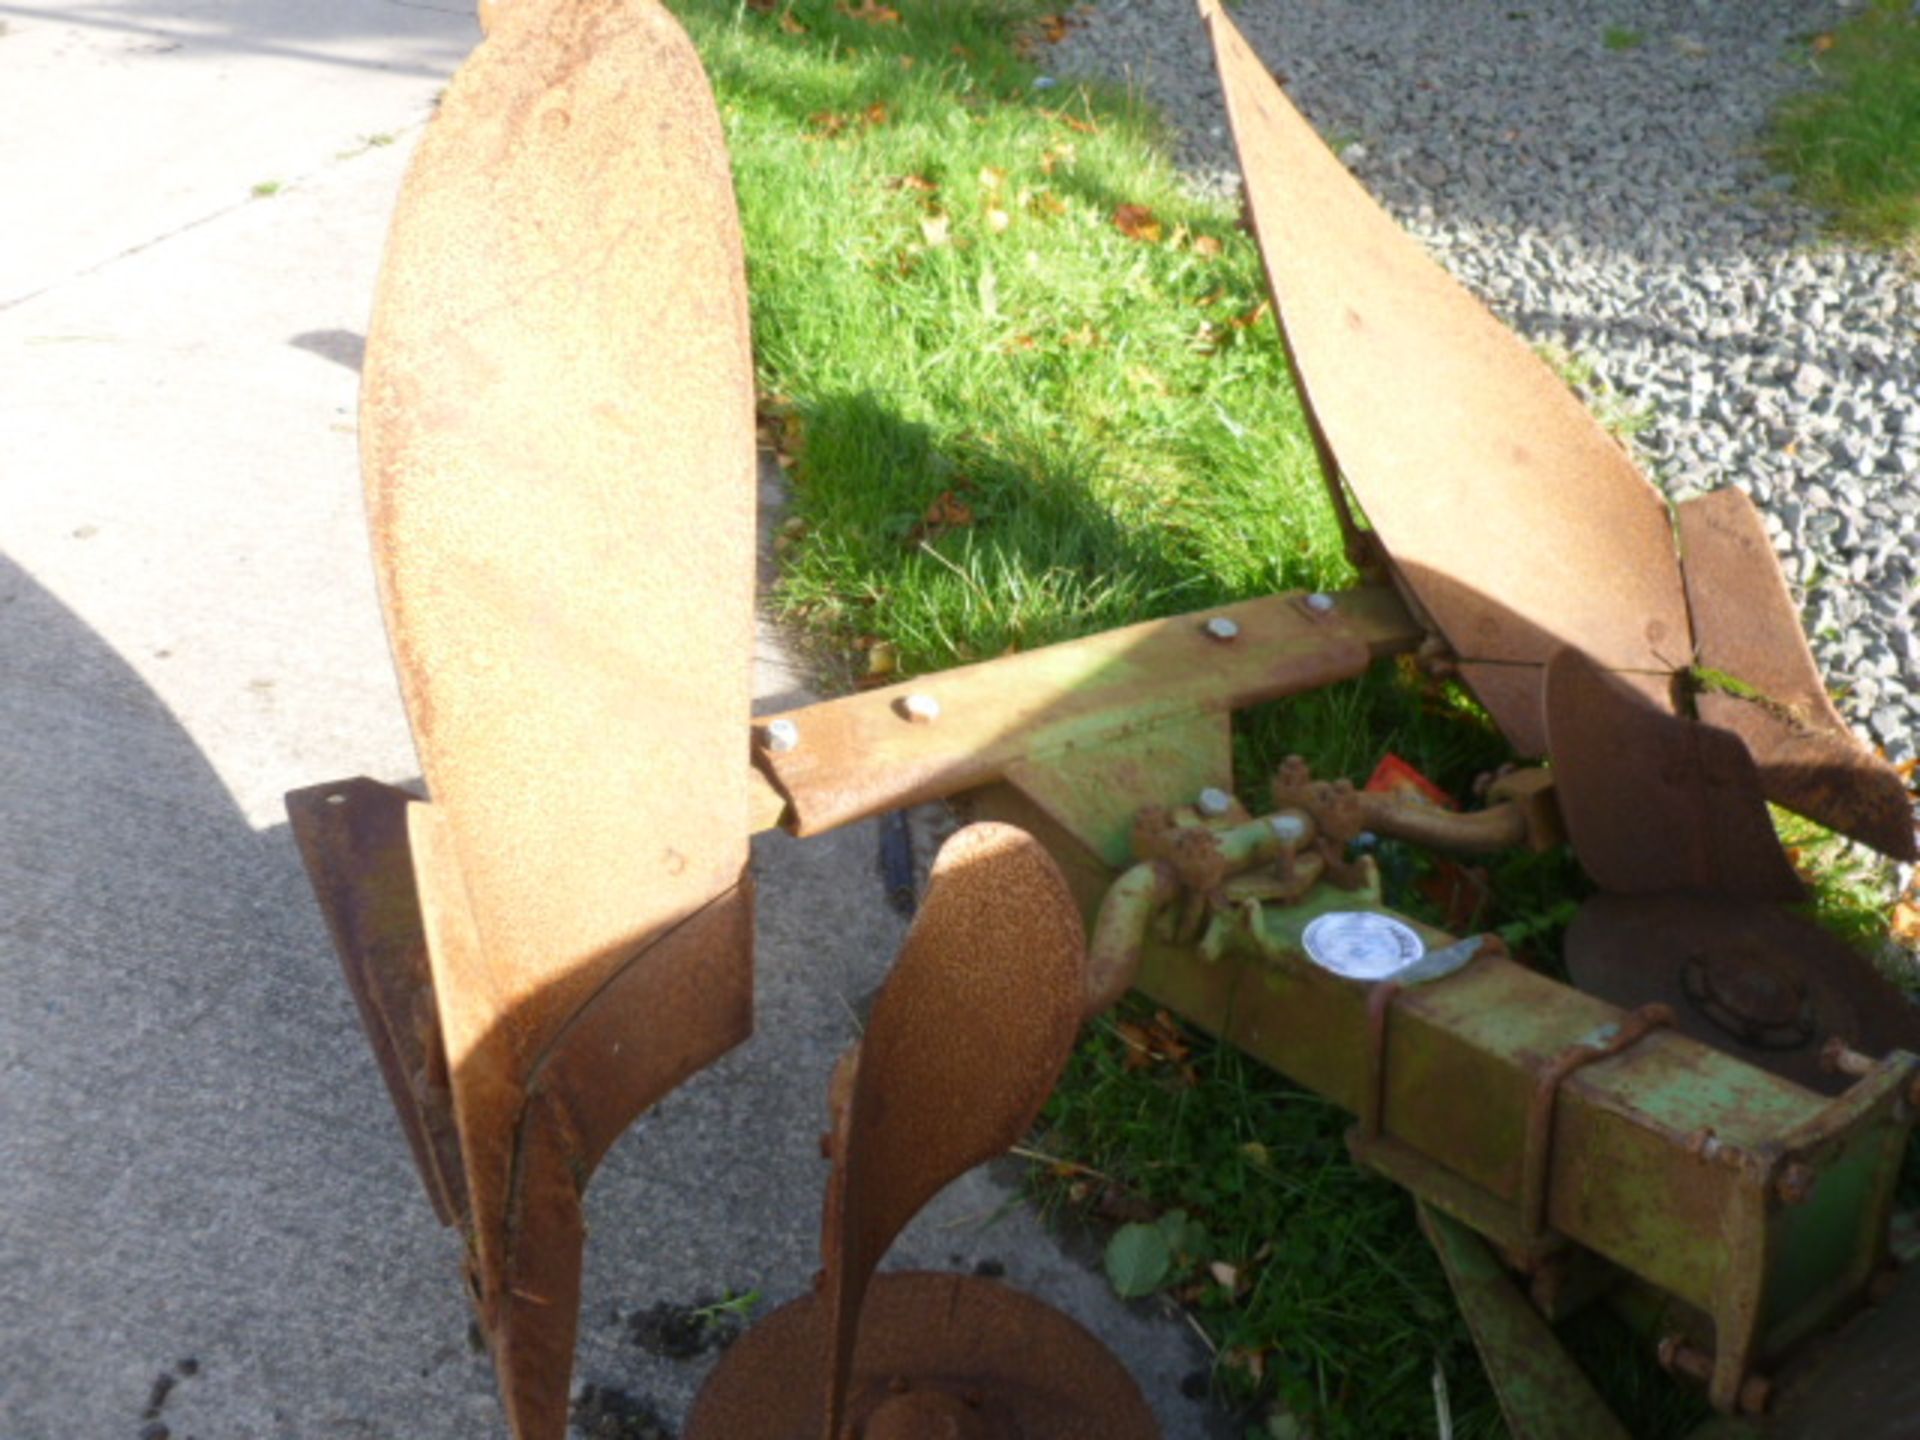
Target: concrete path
{"points": [[198, 1161]]}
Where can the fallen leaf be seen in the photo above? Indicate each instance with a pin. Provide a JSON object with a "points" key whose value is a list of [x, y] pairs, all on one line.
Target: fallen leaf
{"points": [[912, 182], [762, 7], [998, 220], [1072, 122], [1212, 297], [1206, 245], [906, 62], [792, 26], [1054, 28], [1251, 317], [1224, 1275], [1047, 203], [992, 177], [1137, 222], [883, 658], [826, 124], [1139, 1051], [1018, 342], [949, 509], [1084, 338], [1823, 42], [934, 226], [870, 11], [876, 113], [1906, 922]]}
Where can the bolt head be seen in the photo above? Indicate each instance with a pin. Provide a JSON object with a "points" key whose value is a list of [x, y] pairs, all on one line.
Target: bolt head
{"points": [[1288, 828], [921, 709], [1221, 628], [1214, 802], [1319, 602], [782, 736]]}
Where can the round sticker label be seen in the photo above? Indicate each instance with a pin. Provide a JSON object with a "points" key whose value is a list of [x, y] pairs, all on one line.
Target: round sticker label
{"points": [[1362, 945]]}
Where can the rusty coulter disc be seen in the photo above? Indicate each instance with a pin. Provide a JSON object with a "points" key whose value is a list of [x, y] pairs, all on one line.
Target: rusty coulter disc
{"points": [[1751, 979], [941, 1357]]}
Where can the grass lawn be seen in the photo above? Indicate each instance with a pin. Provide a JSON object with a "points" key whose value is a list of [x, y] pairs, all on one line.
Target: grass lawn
{"points": [[1853, 144], [1026, 388]]}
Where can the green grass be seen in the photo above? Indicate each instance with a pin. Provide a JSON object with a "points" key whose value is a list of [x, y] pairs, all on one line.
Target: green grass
{"points": [[1853, 144], [1015, 411], [1622, 37], [944, 306]]}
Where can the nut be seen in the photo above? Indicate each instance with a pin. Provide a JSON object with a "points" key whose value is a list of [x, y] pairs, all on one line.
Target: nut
{"points": [[782, 736], [1214, 802], [921, 709], [1221, 628], [1320, 602]]}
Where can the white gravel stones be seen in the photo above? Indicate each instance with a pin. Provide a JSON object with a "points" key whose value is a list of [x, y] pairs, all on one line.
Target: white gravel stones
{"points": [[1611, 203]]}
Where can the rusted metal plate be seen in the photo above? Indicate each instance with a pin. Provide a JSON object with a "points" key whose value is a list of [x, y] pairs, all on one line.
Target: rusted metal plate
{"points": [[1749, 979], [857, 756], [557, 439], [352, 835], [1520, 524], [940, 1356], [1762, 684], [1655, 803], [962, 1049], [557, 428]]}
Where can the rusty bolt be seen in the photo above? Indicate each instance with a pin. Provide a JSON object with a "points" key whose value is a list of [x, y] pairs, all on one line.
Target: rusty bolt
{"points": [[1320, 602], [1681, 1358], [782, 736], [1214, 802], [1221, 628], [1704, 1143], [921, 709], [1839, 1058], [1795, 1182]]}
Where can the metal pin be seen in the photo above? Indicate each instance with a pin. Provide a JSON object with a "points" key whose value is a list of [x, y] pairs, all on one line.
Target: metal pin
{"points": [[1214, 802], [1320, 602], [920, 709], [1221, 628], [782, 736]]}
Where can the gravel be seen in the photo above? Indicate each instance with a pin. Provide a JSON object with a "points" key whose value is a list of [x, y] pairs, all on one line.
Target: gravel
{"points": [[1611, 202]]}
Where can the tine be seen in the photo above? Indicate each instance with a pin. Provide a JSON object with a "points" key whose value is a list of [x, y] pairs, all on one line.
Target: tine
{"points": [[1655, 803], [965, 1043], [1748, 631], [558, 446], [1518, 523]]}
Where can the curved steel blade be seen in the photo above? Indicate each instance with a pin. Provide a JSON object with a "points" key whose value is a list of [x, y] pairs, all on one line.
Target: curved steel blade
{"points": [[965, 1043], [1517, 521], [1655, 803], [1763, 685], [558, 445]]}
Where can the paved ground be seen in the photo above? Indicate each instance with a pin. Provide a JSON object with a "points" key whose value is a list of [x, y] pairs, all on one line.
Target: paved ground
{"points": [[199, 1159]]}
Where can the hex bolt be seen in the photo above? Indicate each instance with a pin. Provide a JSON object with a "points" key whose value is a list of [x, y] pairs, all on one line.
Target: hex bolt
{"points": [[1795, 1182], [1839, 1058], [1214, 802], [1221, 628], [782, 736], [1320, 602], [921, 709]]}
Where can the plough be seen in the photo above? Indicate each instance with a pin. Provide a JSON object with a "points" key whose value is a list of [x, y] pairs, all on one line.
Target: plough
{"points": [[558, 432]]}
